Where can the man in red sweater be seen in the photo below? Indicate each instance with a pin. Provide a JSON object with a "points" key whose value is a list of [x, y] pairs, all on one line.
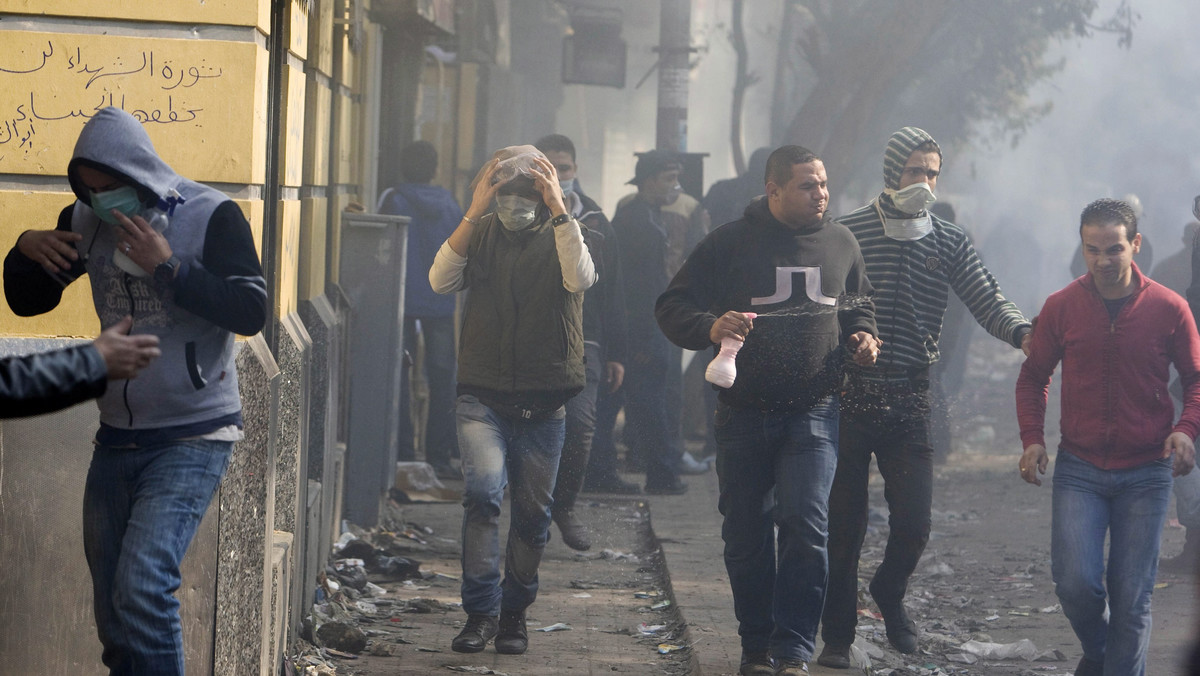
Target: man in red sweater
{"points": [[1115, 332]]}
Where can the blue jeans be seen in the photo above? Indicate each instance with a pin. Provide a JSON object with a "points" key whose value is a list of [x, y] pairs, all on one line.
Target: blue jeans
{"points": [[777, 604], [141, 508], [496, 449], [1130, 505]]}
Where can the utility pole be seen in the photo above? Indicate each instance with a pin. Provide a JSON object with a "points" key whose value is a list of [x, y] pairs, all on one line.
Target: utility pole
{"points": [[674, 47]]}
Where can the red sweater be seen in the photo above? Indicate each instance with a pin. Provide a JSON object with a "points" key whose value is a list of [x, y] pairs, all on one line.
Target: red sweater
{"points": [[1116, 412]]}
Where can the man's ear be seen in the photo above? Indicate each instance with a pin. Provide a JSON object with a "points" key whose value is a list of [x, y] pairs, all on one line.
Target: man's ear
{"points": [[772, 190]]}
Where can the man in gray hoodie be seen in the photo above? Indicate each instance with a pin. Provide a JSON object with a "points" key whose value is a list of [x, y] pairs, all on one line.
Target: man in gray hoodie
{"points": [[179, 257]]}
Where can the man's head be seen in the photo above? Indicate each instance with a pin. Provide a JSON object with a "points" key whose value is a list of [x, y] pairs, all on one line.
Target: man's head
{"points": [[657, 177], [797, 188], [1108, 230], [561, 152], [912, 156], [418, 162]]}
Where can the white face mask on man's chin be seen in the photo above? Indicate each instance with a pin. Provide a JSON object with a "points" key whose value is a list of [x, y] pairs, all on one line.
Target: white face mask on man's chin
{"points": [[516, 213]]}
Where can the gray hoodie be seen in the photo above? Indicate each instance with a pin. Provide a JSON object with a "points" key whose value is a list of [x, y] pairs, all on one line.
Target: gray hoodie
{"points": [[219, 288]]}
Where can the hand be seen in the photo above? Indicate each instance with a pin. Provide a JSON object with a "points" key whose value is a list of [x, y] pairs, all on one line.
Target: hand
{"points": [[864, 347], [485, 191], [140, 242], [731, 325], [123, 354], [1026, 341], [545, 179], [1181, 445], [54, 250], [1033, 463], [614, 375]]}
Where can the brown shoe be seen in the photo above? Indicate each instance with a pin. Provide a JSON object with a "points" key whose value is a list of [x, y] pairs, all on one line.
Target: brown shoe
{"points": [[756, 664]]}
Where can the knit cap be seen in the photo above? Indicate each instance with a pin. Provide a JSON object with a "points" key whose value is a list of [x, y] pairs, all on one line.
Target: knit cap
{"points": [[899, 147]]}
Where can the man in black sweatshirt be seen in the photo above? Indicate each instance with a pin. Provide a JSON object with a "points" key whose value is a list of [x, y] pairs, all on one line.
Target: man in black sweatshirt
{"points": [[777, 425]]}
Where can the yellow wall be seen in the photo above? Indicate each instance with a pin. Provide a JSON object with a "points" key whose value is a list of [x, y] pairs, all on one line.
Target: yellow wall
{"points": [[191, 95], [227, 12]]}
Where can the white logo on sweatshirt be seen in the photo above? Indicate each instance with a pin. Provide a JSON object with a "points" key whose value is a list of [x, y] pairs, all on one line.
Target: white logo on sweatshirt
{"points": [[783, 286]]}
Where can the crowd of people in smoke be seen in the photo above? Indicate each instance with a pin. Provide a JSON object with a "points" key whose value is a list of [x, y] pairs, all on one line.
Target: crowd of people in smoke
{"points": [[569, 318], [825, 381]]}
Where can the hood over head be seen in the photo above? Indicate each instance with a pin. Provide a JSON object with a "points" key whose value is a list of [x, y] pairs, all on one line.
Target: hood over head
{"points": [[114, 142], [899, 147]]}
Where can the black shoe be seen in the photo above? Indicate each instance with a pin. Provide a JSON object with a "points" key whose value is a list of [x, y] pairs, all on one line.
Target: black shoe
{"points": [[675, 487], [475, 634], [513, 638], [574, 533], [835, 657], [613, 484], [901, 630], [756, 664], [1088, 667]]}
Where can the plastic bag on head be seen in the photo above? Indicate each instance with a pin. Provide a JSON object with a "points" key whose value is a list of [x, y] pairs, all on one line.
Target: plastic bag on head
{"points": [[515, 161]]}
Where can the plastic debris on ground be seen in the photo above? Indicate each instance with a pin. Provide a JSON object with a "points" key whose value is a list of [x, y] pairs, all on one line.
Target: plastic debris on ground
{"points": [[557, 626], [418, 482], [651, 629], [664, 648], [475, 670]]}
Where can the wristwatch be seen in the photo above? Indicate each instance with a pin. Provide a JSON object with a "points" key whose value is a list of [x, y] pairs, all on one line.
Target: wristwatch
{"points": [[165, 271], [560, 219]]}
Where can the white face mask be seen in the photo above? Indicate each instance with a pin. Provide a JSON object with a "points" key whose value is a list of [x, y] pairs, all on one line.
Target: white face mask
{"points": [[913, 199], [907, 229], [567, 187], [515, 212]]}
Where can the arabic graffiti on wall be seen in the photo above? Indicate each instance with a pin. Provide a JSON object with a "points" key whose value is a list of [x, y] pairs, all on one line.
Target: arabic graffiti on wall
{"points": [[194, 96]]}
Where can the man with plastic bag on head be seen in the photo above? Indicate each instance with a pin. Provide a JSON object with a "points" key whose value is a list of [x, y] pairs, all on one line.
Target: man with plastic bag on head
{"points": [[520, 359]]}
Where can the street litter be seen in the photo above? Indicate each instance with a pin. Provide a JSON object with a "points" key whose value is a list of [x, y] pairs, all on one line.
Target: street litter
{"points": [[1023, 649], [646, 594], [964, 658], [938, 569], [651, 629], [664, 648], [613, 555], [1051, 609], [583, 595], [661, 604], [417, 482], [475, 670], [557, 626], [992, 618]]}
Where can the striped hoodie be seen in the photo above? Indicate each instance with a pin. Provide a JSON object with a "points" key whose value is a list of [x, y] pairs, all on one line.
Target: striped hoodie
{"points": [[913, 279]]}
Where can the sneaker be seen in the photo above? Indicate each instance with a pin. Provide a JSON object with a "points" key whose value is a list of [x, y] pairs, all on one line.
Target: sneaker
{"points": [[756, 664], [1088, 667], [475, 634], [690, 465], [675, 487], [613, 484], [835, 657], [574, 533], [791, 668], [513, 637]]}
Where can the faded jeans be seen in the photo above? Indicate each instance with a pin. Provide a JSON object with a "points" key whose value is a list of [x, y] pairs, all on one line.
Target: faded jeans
{"points": [[141, 508], [777, 597], [497, 450], [1130, 506]]}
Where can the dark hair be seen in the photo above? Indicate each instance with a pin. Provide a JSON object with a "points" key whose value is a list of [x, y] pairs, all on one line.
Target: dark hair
{"points": [[780, 163], [1107, 211], [555, 143], [418, 162]]}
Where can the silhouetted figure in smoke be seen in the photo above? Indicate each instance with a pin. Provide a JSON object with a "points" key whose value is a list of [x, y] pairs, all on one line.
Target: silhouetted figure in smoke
{"points": [[777, 422], [1114, 332], [914, 260], [604, 341], [652, 249], [1145, 255], [727, 199], [434, 214]]}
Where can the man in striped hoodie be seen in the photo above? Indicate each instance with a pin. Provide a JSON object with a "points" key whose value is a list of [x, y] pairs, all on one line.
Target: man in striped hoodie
{"points": [[914, 260]]}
